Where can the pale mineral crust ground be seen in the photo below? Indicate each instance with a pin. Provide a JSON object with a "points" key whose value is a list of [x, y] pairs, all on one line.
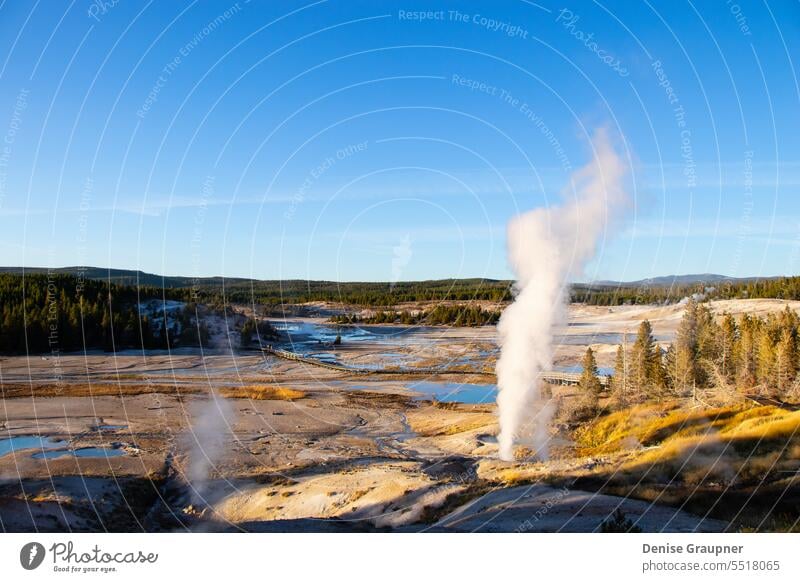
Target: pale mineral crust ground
{"points": [[356, 453]]}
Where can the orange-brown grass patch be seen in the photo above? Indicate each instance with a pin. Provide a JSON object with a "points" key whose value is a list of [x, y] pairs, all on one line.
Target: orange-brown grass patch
{"points": [[736, 442], [431, 421], [92, 390], [512, 477], [737, 462], [263, 392], [651, 425]]}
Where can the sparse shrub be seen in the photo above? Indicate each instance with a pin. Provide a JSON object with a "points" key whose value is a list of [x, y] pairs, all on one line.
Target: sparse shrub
{"points": [[512, 477], [443, 405], [618, 523], [580, 408]]}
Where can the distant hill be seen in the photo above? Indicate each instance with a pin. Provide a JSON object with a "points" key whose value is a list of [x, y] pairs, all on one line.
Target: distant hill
{"points": [[678, 280], [238, 288], [126, 276], [219, 290], [132, 277]]}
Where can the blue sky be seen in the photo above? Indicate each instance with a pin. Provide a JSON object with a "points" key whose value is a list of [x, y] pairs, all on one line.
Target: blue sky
{"points": [[358, 141]]}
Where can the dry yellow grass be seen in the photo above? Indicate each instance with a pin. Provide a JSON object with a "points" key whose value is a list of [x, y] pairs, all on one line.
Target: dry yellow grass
{"points": [[434, 421], [263, 392], [657, 424], [512, 477], [255, 391], [92, 390], [742, 441]]}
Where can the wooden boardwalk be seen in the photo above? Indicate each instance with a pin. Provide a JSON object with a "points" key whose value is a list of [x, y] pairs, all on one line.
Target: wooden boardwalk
{"points": [[312, 361], [570, 378], [551, 377]]}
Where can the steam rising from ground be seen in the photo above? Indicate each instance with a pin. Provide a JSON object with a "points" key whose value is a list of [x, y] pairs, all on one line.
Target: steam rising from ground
{"points": [[548, 248], [210, 426]]}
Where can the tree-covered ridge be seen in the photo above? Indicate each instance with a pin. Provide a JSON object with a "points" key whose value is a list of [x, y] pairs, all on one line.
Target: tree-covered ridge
{"points": [[663, 290], [43, 312], [386, 294], [267, 293], [50, 313], [463, 290], [647, 294], [272, 292], [367, 294], [457, 315]]}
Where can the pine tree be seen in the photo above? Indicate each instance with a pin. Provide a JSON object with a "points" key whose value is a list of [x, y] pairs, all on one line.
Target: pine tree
{"points": [[766, 360], [643, 360], [708, 344], [589, 382], [785, 362], [788, 319], [668, 367], [619, 381], [728, 341], [659, 380], [683, 371], [747, 372]]}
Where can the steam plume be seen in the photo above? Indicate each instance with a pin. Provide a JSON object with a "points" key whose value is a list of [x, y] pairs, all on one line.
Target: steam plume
{"points": [[211, 423], [547, 248]]}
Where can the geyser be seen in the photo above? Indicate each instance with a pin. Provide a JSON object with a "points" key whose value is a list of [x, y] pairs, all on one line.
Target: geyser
{"points": [[547, 248]]}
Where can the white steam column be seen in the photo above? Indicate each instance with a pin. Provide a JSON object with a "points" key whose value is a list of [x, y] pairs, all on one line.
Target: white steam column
{"points": [[548, 248]]}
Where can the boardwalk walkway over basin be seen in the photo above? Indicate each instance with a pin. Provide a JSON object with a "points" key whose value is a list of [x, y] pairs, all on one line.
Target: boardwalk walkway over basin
{"points": [[552, 377]]}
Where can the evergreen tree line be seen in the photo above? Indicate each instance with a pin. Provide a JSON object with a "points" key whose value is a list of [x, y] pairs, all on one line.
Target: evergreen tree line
{"points": [[365, 294], [257, 331], [710, 358], [386, 294], [458, 315], [209, 290], [612, 295], [50, 313]]}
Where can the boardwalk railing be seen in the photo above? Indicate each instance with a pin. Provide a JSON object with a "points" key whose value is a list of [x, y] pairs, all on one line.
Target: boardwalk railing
{"points": [[561, 378], [570, 378], [313, 361]]}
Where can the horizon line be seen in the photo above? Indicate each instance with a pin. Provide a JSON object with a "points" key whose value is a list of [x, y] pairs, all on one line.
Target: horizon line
{"points": [[5, 269]]}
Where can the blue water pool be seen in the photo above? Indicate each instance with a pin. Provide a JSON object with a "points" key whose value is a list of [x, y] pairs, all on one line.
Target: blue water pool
{"points": [[20, 443], [454, 392]]}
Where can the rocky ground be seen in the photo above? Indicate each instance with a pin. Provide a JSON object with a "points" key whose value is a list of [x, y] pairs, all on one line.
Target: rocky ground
{"points": [[355, 452], [361, 460]]}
